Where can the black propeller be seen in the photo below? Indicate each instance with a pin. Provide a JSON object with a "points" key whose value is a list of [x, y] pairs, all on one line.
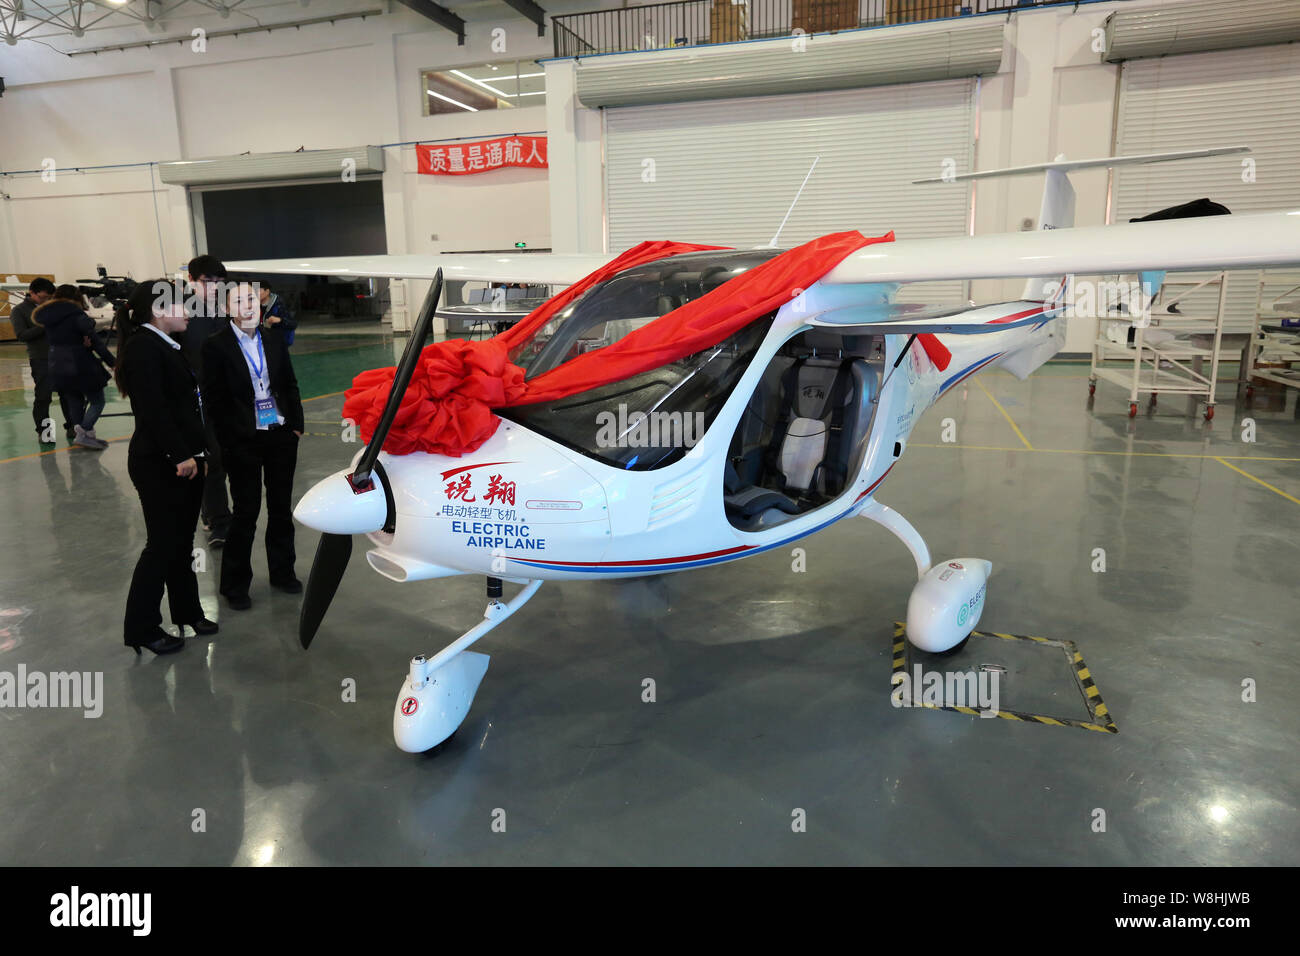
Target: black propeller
{"points": [[334, 550]]}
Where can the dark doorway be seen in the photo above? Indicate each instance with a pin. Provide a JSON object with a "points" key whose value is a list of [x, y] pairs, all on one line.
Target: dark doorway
{"points": [[308, 220]]}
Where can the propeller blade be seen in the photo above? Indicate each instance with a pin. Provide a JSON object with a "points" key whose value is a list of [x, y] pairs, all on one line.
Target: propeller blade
{"points": [[334, 550], [327, 569], [402, 378]]}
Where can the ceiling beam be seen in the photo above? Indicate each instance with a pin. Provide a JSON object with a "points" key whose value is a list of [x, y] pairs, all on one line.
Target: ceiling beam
{"points": [[531, 11], [439, 15]]}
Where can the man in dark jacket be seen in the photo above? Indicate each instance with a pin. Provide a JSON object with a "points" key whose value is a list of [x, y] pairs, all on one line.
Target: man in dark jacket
{"points": [[207, 310], [276, 313], [32, 335]]}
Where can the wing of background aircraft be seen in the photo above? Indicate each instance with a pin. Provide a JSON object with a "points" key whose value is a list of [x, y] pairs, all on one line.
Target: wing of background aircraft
{"points": [[1258, 241], [538, 268]]}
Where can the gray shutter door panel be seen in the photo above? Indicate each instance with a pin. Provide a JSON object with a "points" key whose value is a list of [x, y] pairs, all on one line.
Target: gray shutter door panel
{"points": [[846, 61], [726, 171], [1226, 98], [1193, 27]]}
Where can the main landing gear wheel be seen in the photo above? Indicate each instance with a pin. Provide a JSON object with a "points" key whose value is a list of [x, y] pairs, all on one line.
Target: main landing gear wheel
{"points": [[1132, 409]]}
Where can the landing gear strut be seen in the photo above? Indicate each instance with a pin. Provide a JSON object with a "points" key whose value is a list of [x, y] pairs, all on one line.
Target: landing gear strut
{"points": [[946, 603], [438, 691]]}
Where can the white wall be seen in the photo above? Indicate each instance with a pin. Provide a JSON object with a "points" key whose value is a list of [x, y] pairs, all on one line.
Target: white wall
{"points": [[355, 82], [358, 82]]}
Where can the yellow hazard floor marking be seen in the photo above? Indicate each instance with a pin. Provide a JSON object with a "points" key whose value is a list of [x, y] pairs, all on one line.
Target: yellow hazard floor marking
{"points": [[1258, 481], [1101, 722], [1010, 421]]}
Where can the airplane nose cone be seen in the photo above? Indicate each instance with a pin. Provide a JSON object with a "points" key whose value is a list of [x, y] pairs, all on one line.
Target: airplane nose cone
{"points": [[334, 508]]}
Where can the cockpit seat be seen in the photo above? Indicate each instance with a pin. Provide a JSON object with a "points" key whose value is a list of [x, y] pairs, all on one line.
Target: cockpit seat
{"points": [[825, 413]]}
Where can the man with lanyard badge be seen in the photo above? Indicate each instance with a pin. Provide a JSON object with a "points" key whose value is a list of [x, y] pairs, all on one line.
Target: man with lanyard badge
{"points": [[250, 395]]}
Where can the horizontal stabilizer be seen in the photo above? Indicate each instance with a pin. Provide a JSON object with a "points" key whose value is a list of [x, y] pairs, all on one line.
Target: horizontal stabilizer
{"points": [[1069, 165]]}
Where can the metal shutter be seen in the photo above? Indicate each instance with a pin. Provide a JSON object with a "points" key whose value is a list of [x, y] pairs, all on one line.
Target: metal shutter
{"points": [[843, 61], [1234, 97], [1199, 25], [726, 171]]}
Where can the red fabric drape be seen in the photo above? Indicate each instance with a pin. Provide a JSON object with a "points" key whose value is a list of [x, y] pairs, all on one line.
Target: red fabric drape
{"points": [[447, 408]]}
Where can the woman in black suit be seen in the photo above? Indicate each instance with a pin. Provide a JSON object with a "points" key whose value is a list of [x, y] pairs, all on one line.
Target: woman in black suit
{"points": [[251, 395], [166, 463]]}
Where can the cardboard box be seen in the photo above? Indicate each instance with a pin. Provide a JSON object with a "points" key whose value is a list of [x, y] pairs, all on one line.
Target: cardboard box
{"points": [[918, 11], [823, 16], [728, 22]]}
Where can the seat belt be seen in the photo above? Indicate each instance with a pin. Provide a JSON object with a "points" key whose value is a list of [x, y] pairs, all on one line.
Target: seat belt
{"points": [[835, 431], [772, 460]]}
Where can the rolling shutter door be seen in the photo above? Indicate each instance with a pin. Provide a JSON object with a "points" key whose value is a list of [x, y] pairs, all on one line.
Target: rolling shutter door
{"points": [[1245, 97], [726, 171]]}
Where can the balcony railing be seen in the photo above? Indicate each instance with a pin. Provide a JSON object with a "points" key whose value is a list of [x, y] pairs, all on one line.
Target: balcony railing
{"points": [[665, 26]]}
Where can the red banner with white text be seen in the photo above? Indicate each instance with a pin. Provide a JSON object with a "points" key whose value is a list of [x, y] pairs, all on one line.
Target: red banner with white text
{"points": [[463, 159]]}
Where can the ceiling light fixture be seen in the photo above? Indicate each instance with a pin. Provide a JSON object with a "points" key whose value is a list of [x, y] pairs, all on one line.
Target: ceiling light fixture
{"points": [[451, 101]]}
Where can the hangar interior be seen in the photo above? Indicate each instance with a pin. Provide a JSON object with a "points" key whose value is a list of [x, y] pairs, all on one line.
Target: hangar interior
{"points": [[1138, 495]]}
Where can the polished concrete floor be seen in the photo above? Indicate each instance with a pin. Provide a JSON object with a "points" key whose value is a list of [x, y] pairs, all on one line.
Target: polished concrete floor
{"points": [[773, 687]]}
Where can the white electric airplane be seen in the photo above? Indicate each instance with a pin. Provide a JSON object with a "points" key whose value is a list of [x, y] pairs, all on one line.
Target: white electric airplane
{"points": [[804, 413]]}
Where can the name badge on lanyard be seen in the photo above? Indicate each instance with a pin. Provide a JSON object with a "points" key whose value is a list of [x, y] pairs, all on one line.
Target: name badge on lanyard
{"points": [[263, 404]]}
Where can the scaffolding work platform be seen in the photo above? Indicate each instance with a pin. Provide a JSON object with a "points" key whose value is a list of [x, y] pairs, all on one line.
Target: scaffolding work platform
{"points": [[1274, 349], [1162, 349]]}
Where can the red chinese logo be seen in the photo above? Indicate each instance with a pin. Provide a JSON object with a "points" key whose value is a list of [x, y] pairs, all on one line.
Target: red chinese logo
{"points": [[500, 492], [460, 489]]}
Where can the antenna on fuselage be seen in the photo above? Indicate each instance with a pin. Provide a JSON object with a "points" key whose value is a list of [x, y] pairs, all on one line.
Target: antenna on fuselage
{"points": [[772, 244]]}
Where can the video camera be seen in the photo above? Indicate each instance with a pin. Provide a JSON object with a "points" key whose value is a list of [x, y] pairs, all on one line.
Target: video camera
{"points": [[111, 289]]}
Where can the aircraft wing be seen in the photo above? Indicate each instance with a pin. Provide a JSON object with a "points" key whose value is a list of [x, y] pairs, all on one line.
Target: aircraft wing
{"points": [[1256, 241], [535, 269]]}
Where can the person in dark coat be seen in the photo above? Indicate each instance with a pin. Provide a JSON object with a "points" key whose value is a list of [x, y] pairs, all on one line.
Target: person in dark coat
{"points": [[276, 313], [166, 462], [39, 292], [251, 397], [207, 311], [74, 369]]}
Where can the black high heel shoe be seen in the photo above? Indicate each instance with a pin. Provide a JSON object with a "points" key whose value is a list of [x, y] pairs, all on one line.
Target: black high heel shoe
{"points": [[202, 627], [160, 642]]}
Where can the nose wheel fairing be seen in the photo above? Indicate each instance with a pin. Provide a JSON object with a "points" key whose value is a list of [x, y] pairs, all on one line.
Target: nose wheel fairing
{"points": [[436, 696]]}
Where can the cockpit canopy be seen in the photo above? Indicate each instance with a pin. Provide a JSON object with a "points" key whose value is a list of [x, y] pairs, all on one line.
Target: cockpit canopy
{"points": [[652, 419], [630, 300]]}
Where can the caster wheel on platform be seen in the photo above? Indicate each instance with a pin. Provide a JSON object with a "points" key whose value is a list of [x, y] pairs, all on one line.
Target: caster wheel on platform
{"points": [[1132, 409], [1209, 413], [1250, 392], [1092, 388]]}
